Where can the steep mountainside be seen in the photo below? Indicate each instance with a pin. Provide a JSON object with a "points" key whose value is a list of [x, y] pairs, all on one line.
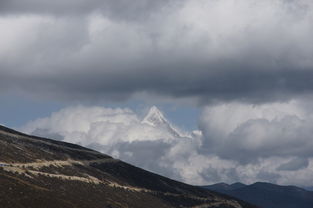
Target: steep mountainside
{"points": [[37, 172], [267, 195]]}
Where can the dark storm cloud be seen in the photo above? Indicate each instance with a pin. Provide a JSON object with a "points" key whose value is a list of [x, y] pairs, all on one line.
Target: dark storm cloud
{"points": [[250, 86], [256, 52], [119, 9]]}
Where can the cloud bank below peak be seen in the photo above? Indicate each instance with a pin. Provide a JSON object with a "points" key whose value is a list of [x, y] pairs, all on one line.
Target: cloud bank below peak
{"points": [[203, 51], [267, 142], [105, 126]]}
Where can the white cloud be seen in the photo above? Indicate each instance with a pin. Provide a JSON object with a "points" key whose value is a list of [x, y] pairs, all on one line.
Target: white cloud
{"points": [[106, 126], [240, 142], [294, 164], [246, 132]]}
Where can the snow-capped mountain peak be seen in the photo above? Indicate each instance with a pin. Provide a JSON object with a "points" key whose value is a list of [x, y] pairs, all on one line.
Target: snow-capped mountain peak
{"points": [[157, 119], [154, 117]]}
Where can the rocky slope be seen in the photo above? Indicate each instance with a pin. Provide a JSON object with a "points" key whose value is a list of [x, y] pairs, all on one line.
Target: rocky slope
{"points": [[38, 172]]}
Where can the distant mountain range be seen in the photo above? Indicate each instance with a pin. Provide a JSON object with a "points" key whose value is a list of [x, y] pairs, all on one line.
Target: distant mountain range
{"points": [[36, 172], [310, 188], [267, 195]]}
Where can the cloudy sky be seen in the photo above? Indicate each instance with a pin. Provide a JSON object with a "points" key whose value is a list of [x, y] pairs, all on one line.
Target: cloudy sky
{"points": [[233, 77]]}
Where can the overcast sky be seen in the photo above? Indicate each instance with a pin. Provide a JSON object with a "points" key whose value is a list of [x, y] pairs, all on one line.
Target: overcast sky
{"points": [[239, 72]]}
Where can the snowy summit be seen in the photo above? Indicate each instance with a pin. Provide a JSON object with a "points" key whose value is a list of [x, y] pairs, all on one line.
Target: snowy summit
{"points": [[155, 117]]}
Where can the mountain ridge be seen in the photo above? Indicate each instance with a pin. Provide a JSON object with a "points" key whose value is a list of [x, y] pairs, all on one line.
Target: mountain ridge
{"points": [[267, 195], [38, 172]]}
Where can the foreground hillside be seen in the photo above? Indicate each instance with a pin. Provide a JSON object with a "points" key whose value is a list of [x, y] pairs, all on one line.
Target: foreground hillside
{"points": [[37, 172], [267, 195]]}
